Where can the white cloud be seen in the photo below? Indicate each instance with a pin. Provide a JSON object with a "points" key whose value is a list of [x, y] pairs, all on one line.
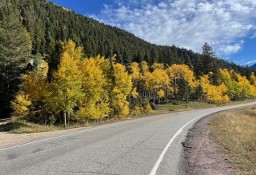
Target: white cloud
{"points": [[222, 23], [230, 49]]}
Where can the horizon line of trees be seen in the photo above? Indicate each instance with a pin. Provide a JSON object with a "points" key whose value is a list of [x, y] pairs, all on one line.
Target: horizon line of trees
{"points": [[85, 89]]}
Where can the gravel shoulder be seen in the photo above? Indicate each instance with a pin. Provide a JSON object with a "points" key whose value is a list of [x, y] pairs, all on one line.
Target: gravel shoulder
{"points": [[9, 139], [202, 154]]}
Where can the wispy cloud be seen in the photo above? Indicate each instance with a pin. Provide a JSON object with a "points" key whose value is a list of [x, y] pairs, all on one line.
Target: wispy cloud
{"points": [[185, 23]]}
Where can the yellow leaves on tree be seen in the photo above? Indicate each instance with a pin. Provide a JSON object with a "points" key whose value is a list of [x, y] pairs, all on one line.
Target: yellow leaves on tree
{"points": [[160, 93], [121, 89], [252, 79], [238, 86], [96, 88], [35, 82], [144, 67], [157, 66], [95, 103], [156, 80], [66, 87], [244, 86], [134, 93], [180, 72], [213, 94], [72, 50], [20, 106], [135, 68]]}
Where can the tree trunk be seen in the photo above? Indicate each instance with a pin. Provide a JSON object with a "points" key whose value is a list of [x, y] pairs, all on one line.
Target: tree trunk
{"points": [[65, 119], [68, 118]]}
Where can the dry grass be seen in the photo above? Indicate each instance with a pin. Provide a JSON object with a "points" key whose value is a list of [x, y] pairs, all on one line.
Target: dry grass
{"points": [[178, 106], [236, 131], [19, 127], [175, 106]]}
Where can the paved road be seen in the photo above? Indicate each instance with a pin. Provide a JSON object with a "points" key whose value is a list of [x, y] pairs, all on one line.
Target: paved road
{"points": [[144, 146]]}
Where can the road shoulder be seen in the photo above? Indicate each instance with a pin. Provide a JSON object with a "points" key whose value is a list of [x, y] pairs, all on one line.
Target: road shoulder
{"points": [[202, 154], [9, 139]]}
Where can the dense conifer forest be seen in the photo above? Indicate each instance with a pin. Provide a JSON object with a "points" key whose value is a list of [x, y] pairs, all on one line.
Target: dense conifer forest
{"points": [[49, 56], [253, 67]]}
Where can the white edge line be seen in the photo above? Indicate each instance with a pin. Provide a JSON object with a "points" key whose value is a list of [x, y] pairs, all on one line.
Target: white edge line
{"points": [[159, 160], [55, 137], [87, 129], [153, 171]]}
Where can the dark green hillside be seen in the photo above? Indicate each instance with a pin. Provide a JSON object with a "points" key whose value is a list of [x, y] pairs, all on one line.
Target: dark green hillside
{"points": [[253, 67], [49, 24]]}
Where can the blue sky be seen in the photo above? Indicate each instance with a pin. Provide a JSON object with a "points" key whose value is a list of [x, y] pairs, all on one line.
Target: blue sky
{"points": [[228, 25]]}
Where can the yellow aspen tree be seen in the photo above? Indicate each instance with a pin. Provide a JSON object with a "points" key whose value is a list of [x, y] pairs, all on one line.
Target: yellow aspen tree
{"points": [[35, 83], [66, 88], [160, 93], [213, 94], [122, 87], [252, 79], [95, 103], [157, 66], [135, 68], [136, 105], [145, 79], [244, 86], [144, 67], [231, 84], [20, 106], [176, 73], [160, 82], [134, 93]]}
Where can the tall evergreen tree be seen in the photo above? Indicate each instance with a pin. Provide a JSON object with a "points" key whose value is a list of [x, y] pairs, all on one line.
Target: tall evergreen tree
{"points": [[15, 47], [208, 62]]}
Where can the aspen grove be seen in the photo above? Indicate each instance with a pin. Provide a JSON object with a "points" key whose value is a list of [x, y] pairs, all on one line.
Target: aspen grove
{"points": [[95, 88]]}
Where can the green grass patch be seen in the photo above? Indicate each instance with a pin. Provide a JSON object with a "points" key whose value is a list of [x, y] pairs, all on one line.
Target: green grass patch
{"points": [[236, 131]]}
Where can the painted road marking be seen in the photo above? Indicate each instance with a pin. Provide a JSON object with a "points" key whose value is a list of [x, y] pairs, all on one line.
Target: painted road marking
{"points": [[159, 160], [158, 121]]}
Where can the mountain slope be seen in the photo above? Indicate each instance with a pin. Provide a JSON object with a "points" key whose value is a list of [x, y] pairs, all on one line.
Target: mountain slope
{"points": [[253, 67], [49, 24]]}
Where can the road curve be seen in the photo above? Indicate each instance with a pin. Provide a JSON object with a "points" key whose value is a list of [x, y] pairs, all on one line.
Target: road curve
{"points": [[145, 146]]}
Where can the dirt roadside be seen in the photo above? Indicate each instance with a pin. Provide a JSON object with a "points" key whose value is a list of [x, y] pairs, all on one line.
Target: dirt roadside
{"points": [[202, 155], [8, 139]]}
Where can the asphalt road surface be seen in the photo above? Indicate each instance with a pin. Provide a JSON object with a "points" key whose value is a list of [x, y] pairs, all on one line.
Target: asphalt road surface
{"points": [[145, 146]]}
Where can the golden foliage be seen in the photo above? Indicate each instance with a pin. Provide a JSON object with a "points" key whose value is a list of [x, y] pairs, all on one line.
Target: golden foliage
{"points": [[121, 89], [238, 86], [134, 93], [181, 71], [66, 87], [20, 105], [161, 93], [95, 103], [35, 82], [214, 94], [136, 75], [96, 88], [157, 66]]}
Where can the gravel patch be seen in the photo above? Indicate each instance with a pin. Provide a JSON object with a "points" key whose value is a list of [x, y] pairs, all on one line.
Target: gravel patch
{"points": [[202, 154]]}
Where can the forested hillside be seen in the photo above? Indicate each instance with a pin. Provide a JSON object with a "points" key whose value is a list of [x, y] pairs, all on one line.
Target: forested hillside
{"points": [[253, 67], [49, 24], [33, 31]]}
